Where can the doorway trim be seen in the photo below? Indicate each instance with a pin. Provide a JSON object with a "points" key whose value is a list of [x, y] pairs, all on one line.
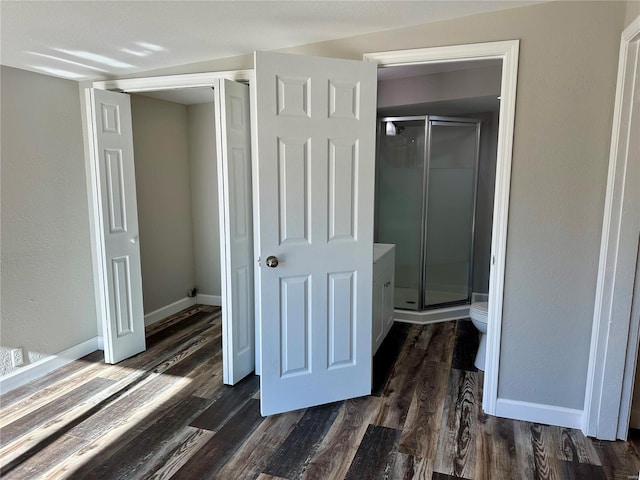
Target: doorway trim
{"points": [[134, 85], [507, 51], [611, 372], [171, 82]]}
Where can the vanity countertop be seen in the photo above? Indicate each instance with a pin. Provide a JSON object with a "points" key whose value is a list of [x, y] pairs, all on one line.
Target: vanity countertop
{"points": [[380, 250]]}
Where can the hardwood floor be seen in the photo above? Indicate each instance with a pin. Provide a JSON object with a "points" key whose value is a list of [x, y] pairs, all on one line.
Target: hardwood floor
{"points": [[165, 414]]}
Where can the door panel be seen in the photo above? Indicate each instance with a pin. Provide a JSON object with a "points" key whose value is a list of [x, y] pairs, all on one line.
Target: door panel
{"points": [[341, 319], [122, 288], [315, 136], [343, 171], [294, 325], [293, 186], [236, 247], [115, 191], [123, 330]]}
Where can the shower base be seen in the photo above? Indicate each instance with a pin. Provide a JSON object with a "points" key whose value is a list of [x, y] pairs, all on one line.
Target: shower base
{"points": [[431, 316], [437, 314], [407, 298]]}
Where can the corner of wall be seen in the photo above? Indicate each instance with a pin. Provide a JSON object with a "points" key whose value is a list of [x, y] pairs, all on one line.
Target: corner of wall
{"points": [[22, 375]]}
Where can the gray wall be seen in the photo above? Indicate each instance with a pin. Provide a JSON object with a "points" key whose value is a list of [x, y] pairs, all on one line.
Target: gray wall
{"points": [[161, 150], [566, 88], [633, 10], [478, 82], [204, 197], [47, 284]]}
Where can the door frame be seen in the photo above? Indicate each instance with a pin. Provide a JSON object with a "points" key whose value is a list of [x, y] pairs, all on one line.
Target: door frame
{"points": [[135, 85], [611, 372], [507, 51]]}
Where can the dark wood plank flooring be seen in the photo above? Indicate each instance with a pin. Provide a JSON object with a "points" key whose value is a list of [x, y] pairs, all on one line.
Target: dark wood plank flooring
{"points": [[166, 414]]}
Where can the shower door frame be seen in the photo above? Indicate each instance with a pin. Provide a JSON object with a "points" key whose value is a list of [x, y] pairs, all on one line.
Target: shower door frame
{"points": [[423, 219], [507, 51], [452, 121]]}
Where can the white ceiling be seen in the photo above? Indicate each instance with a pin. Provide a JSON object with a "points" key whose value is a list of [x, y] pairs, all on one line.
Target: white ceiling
{"points": [[85, 40]]}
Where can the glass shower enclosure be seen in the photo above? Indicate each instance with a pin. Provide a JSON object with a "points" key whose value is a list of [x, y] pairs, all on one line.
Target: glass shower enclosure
{"points": [[425, 204]]}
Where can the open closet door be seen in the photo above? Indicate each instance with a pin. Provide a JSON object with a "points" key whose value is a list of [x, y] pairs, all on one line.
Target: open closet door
{"points": [[121, 278], [316, 157], [236, 229]]}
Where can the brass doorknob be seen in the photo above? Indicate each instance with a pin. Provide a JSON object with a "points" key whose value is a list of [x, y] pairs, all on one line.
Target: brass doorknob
{"points": [[272, 262]]}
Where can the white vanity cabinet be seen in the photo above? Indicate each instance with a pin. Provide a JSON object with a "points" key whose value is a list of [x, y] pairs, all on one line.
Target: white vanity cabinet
{"points": [[384, 264]]}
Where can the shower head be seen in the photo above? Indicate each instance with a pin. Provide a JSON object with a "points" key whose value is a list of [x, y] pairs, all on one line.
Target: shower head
{"points": [[391, 129]]}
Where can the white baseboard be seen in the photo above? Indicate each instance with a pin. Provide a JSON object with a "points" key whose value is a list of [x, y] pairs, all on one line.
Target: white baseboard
{"points": [[431, 316], [100, 343], [168, 310], [209, 300], [46, 365], [539, 413]]}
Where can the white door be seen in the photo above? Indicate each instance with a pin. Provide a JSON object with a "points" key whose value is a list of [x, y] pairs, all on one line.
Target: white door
{"points": [[123, 327], [236, 229], [316, 153]]}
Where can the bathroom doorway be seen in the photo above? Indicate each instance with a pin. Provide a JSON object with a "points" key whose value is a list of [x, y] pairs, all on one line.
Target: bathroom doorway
{"points": [[436, 169], [450, 58]]}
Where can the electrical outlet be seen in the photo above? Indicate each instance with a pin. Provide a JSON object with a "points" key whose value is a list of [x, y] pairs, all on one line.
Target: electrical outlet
{"points": [[16, 357]]}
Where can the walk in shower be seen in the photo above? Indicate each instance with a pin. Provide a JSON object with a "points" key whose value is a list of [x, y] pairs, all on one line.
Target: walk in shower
{"points": [[425, 205]]}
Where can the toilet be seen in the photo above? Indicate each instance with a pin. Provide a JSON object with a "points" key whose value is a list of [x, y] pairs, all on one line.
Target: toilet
{"points": [[478, 314]]}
